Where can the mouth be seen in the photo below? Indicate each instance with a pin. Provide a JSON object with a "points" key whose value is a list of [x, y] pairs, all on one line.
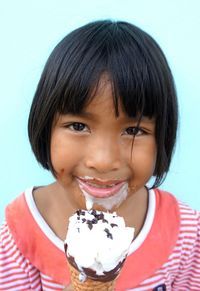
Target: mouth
{"points": [[100, 188]]}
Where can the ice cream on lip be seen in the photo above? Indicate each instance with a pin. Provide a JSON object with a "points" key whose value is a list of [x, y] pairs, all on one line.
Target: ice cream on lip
{"points": [[97, 244], [99, 188], [106, 193]]}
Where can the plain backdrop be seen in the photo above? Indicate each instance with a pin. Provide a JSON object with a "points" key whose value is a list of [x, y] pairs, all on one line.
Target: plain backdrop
{"points": [[29, 30]]}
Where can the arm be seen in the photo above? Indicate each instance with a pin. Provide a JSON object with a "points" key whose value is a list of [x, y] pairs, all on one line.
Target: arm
{"points": [[15, 271]]}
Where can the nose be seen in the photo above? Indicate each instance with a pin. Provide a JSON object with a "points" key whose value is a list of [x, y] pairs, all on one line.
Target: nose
{"points": [[103, 155]]}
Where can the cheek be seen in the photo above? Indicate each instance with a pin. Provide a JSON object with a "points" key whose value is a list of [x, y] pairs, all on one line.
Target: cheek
{"points": [[65, 154], [144, 160]]}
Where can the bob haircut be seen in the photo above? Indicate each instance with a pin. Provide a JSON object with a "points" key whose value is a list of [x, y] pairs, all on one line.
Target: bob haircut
{"points": [[140, 76]]}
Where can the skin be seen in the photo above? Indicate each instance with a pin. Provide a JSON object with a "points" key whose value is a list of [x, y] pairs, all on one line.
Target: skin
{"points": [[98, 144], [69, 288]]}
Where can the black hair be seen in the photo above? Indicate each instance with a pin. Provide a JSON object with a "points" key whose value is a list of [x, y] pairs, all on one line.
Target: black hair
{"points": [[140, 75]]}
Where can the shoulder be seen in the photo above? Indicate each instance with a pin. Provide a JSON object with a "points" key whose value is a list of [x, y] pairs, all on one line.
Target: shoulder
{"points": [[8, 248], [15, 268], [189, 221], [180, 214], [15, 214], [185, 211]]}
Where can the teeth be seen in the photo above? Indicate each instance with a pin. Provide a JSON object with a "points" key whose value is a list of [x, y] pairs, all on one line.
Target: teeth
{"points": [[101, 186]]}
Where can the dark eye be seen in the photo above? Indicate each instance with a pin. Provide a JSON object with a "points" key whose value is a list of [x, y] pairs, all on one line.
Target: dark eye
{"points": [[77, 126], [134, 131]]}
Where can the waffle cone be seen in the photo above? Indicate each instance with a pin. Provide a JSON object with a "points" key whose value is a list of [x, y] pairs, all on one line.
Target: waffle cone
{"points": [[89, 284]]}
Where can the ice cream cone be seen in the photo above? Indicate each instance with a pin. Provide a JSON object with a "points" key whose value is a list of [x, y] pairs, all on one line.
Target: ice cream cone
{"points": [[96, 247], [89, 284]]}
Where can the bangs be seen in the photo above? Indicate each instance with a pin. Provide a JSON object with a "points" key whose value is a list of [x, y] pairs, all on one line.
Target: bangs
{"points": [[116, 51]]}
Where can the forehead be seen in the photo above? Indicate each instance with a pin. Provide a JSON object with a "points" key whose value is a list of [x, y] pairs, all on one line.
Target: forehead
{"points": [[103, 97]]}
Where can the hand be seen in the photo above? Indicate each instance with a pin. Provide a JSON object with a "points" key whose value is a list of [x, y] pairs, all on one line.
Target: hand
{"points": [[69, 288]]}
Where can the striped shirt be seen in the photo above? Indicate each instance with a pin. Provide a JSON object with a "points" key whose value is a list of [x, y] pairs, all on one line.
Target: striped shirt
{"points": [[164, 256]]}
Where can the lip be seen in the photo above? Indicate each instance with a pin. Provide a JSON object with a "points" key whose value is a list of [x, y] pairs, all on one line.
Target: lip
{"points": [[106, 188]]}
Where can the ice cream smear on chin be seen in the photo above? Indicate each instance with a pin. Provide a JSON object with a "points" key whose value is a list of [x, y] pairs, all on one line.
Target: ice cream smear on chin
{"points": [[97, 244], [108, 198]]}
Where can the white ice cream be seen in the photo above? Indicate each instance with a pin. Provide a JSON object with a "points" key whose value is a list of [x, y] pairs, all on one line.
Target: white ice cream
{"points": [[98, 240]]}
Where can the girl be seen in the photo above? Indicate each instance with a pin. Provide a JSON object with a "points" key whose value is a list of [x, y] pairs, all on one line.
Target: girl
{"points": [[103, 119]]}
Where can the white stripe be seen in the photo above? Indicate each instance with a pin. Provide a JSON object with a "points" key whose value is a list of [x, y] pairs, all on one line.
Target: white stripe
{"points": [[192, 236], [147, 224], [188, 229], [24, 283]]}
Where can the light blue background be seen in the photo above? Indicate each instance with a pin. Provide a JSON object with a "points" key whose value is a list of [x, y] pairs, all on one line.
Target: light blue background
{"points": [[29, 30]]}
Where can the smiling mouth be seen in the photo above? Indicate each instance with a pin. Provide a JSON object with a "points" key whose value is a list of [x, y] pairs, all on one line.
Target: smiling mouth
{"points": [[99, 188]]}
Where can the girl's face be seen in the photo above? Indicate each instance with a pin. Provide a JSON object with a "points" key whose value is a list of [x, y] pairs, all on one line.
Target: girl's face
{"points": [[95, 157]]}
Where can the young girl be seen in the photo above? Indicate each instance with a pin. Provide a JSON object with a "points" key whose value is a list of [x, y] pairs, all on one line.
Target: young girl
{"points": [[103, 119]]}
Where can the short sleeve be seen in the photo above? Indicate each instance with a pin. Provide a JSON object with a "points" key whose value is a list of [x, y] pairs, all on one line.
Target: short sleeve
{"points": [[16, 273], [188, 277]]}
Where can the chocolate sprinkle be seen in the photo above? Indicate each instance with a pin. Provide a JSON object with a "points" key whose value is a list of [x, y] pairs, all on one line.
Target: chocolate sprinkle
{"points": [[113, 224], [90, 224], [94, 221], [104, 220], [80, 212], [93, 212], [97, 216], [109, 235]]}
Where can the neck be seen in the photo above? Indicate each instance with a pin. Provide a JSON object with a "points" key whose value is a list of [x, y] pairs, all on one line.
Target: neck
{"points": [[134, 209]]}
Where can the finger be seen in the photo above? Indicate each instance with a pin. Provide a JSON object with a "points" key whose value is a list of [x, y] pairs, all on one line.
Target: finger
{"points": [[69, 288]]}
